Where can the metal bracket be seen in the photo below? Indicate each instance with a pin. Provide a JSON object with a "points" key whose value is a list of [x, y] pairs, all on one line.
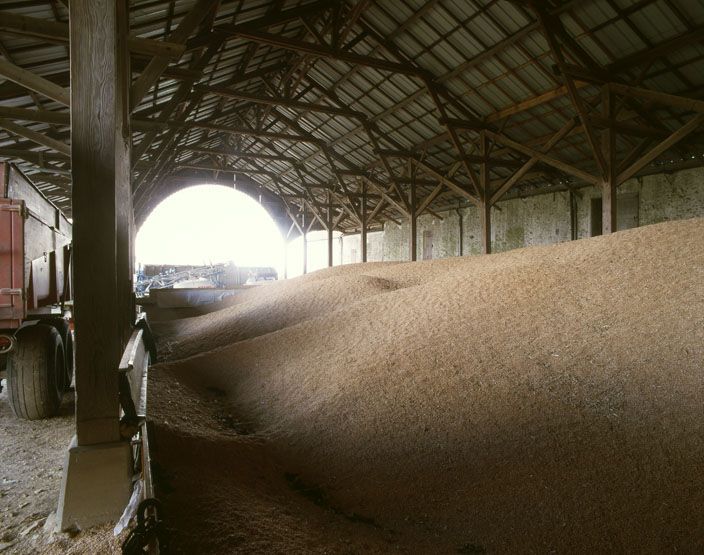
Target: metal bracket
{"points": [[10, 291]]}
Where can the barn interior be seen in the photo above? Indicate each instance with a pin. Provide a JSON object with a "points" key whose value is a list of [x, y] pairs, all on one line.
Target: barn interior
{"points": [[507, 356]]}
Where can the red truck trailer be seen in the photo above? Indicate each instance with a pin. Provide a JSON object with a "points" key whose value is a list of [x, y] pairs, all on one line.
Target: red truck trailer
{"points": [[36, 341]]}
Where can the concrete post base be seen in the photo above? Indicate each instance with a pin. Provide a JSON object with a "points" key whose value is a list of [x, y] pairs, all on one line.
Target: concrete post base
{"points": [[96, 484]]}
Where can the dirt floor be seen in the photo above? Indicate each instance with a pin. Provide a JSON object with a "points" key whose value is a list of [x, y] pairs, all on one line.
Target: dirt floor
{"points": [[31, 465], [542, 400]]}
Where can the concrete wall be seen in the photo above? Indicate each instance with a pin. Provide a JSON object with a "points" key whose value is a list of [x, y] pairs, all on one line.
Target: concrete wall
{"points": [[537, 220]]}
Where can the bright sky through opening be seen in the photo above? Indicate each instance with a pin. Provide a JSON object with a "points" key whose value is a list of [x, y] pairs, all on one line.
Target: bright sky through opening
{"points": [[210, 224]]}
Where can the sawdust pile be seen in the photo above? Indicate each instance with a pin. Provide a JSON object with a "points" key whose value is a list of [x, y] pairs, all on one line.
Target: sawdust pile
{"points": [[543, 399]]}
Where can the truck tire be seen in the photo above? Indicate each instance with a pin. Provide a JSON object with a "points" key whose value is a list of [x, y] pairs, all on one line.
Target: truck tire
{"points": [[69, 358], [62, 326], [35, 372]]}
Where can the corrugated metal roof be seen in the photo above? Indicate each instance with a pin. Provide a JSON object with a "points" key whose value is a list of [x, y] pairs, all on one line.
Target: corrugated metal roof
{"points": [[488, 59]]}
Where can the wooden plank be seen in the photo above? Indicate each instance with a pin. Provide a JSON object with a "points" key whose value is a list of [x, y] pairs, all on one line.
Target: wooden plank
{"points": [[35, 136], [34, 82]]}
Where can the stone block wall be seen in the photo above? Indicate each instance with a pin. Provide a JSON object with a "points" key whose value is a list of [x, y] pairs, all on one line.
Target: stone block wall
{"points": [[536, 220]]}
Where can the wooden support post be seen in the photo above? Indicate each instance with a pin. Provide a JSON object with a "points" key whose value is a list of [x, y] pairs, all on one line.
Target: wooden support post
{"points": [[363, 232], [304, 231], [573, 216], [413, 243], [97, 481], [100, 160], [460, 241], [485, 190], [330, 227], [610, 184], [485, 225]]}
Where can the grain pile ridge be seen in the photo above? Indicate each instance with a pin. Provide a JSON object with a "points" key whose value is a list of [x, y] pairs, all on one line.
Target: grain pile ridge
{"points": [[543, 399]]}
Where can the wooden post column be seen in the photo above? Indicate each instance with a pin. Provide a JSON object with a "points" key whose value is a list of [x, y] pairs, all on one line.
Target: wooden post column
{"points": [[609, 184], [330, 226], [413, 216], [363, 231], [102, 203], [573, 216], [97, 480], [305, 245], [460, 239], [485, 205]]}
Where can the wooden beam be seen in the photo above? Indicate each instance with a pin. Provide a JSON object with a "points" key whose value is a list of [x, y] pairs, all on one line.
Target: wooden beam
{"points": [[327, 52], [675, 101], [156, 67], [567, 168], [532, 102], [286, 102], [34, 82], [551, 26], [525, 168], [664, 48], [238, 171], [454, 137], [272, 17], [58, 32], [430, 198], [38, 116], [33, 156], [238, 154], [35, 136], [447, 181], [656, 151]]}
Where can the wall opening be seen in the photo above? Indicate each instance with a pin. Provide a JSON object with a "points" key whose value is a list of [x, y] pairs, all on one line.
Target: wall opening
{"points": [[210, 224]]}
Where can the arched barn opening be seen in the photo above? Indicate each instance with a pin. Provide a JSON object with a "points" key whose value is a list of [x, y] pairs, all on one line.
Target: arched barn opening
{"points": [[210, 225], [351, 276]]}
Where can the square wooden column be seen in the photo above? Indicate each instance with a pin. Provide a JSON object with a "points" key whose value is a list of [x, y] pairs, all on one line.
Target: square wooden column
{"points": [[609, 184], [304, 234], [413, 217], [485, 205], [363, 229], [102, 210], [97, 478], [330, 225]]}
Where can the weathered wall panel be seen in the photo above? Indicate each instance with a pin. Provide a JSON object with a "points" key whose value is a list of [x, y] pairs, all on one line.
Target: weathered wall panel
{"points": [[538, 220]]}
